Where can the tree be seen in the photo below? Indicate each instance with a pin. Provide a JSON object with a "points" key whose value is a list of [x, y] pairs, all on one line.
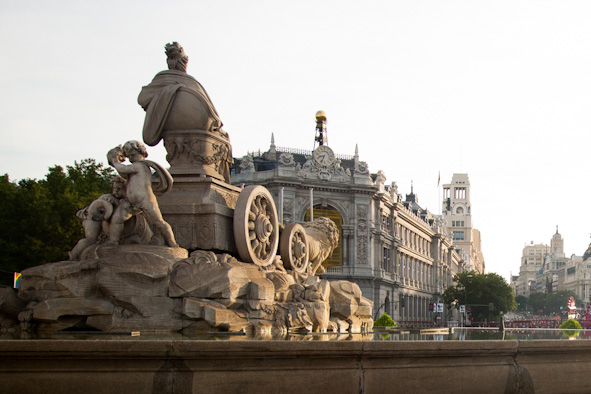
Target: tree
{"points": [[38, 222], [537, 301], [384, 321], [487, 294], [551, 303], [556, 302], [522, 303]]}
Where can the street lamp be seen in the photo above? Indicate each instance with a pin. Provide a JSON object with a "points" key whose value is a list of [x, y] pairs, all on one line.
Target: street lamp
{"points": [[466, 300]]}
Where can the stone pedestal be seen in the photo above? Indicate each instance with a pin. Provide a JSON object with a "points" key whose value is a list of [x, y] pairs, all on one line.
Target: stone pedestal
{"points": [[197, 152], [201, 212]]}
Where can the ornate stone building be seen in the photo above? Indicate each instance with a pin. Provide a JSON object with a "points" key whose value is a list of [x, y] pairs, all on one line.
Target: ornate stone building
{"points": [[396, 251], [546, 269]]}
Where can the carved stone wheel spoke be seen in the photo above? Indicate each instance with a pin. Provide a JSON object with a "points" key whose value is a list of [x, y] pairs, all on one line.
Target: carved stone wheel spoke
{"points": [[293, 246], [256, 227]]}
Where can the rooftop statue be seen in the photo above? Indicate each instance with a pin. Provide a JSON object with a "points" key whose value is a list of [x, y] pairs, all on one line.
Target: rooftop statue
{"points": [[179, 110]]}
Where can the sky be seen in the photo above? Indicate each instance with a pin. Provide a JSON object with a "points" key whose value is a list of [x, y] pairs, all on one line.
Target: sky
{"points": [[500, 90]]}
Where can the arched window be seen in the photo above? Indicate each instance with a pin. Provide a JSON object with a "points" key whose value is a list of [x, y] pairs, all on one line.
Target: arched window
{"points": [[459, 210]]}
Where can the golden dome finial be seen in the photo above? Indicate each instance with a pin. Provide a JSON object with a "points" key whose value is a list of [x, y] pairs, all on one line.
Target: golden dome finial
{"points": [[321, 116]]}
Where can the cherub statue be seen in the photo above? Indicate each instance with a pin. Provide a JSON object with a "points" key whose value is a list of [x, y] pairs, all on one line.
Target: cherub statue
{"points": [[96, 214], [139, 189]]}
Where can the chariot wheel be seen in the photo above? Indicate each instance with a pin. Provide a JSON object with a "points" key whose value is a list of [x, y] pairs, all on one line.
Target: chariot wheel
{"points": [[256, 228], [293, 247]]}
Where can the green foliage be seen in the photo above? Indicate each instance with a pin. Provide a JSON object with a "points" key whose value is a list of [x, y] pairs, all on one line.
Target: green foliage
{"points": [[537, 301], [384, 321], [475, 290], [522, 303], [570, 328], [551, 303], [38, 222], [570, 324], [556, 302]]}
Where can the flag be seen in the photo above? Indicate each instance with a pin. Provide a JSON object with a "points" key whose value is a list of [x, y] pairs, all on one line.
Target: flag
{"points": [[439, 179], [17, 279]]}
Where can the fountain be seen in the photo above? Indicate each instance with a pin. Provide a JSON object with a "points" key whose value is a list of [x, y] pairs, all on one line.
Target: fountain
{"points": [[184, 252], [133, 271]]}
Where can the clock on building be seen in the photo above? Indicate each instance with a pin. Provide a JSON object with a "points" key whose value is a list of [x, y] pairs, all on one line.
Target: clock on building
{"points": [[323, 155]]}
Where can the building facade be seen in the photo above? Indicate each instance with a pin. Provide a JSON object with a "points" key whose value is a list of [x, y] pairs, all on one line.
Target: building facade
{"points": [[457, 214], [546, 269], [532, 261], [397, 252]]}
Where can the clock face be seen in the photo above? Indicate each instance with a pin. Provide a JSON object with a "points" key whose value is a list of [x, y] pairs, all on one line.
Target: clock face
{"points": [[324, 155]]}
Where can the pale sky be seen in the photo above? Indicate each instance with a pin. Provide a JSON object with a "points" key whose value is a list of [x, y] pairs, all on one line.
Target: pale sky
{"points": [[500, 90]]}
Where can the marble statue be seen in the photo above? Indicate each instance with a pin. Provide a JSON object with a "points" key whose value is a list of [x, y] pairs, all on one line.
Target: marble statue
{"points": [[139, 189], [120, 276], [158, 97], [179, 110], [97, 214]]}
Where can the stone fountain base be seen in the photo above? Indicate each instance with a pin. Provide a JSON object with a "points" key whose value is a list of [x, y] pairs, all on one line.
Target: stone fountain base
{"points": [[150, 288]]}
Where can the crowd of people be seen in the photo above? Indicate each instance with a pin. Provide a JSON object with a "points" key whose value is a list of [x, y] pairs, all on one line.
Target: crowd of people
{"points": [[534, 322]]}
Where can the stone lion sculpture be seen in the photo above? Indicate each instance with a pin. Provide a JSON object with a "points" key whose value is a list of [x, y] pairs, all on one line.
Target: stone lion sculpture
{"points": [[323, 238]]}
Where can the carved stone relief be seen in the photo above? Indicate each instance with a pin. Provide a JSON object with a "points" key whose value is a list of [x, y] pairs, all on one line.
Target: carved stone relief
{"points": [[197, 152], [362, 238], [361, 168], [288, 210], [286, 160], [247, 164], [324, 165]]}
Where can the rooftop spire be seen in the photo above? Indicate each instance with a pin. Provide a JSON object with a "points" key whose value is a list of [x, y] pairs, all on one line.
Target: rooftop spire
{"points": [[272, 154]]}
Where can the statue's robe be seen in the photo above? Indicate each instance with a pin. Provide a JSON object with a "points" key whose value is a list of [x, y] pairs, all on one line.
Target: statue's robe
{"points": [[158, 98], [175, 100]]}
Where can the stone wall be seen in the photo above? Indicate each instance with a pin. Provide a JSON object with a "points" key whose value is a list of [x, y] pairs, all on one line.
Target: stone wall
{"points": [[142, 365]]}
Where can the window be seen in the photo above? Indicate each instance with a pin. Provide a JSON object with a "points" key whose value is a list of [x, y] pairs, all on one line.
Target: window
{"points": [[460, 210], [386, 260], [460, 193], [458, 235], [385, 222]]}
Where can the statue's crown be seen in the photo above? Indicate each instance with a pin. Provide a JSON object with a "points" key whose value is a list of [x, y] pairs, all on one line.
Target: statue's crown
{"points": [[174, 50]]}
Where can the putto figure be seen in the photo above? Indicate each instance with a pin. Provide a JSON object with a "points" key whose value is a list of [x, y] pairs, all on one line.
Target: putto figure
{"points": [[95, 217], [139, 189]]}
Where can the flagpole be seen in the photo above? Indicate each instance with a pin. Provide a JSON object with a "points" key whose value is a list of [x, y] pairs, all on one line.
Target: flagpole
{"points": [[439, 192]]}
